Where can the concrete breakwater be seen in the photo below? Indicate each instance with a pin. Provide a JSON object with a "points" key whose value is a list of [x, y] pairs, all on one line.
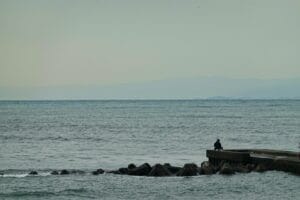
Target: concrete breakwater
{"points": [[223, 162], [261, 159]]}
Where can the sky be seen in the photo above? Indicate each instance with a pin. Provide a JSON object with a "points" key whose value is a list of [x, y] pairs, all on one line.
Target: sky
{"points": [[57, 43]]}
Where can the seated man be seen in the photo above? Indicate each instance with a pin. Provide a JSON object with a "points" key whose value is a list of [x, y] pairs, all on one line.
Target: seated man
{"points": [[218, 145]]}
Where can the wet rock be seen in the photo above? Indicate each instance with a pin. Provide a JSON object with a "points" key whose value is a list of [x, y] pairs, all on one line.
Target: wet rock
{"points": [[80, 172], [241, 168], [159, 170], [207, 168], [172, 169], [113, 172], [77, 172], [260, 168], [217, 167], [189, 169], [33, 173], [64, 172], [123, 171], [285, 165], [131, 166], [54, 173], [250, 167], [98, 171], [142, 170], [226, 169]]}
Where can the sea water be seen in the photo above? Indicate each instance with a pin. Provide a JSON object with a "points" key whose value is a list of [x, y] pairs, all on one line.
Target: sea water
{"points": [[86, 135]]}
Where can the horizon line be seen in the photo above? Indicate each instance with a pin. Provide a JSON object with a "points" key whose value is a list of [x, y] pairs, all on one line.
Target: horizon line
{"points": [[154, 99]]}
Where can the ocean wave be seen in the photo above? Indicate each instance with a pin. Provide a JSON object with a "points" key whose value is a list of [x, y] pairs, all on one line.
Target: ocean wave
{"points": [[22, 175], [212, 116], [44, 193], [59, 138], [27, 194]]}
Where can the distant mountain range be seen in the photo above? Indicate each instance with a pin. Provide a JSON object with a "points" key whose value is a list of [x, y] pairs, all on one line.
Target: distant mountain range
{"points": [[196, 88]]}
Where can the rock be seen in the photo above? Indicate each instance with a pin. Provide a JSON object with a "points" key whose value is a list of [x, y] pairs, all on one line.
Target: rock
{"points": [[207, 168], [218, 166], [64, 172], [33, 173], [98, 171], [260, 168], [123, 171], [142, 170], [250, 167], [241, 168], [283, 164], [131, 166], [159, 170], [226, 169], [77, 172], [54, 173], [113, 172], [189, 169], [172, 169]]}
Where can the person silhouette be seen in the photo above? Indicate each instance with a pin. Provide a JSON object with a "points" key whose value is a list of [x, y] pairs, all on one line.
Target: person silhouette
{"points": [[218, 145]]}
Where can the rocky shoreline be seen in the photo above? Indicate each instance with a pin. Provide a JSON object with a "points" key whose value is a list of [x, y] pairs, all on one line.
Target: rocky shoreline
{"points": [[166, 169], [226, 162]]}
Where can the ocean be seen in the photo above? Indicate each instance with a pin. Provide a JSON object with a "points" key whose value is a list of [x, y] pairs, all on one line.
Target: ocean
{"points": [[109, 134]]}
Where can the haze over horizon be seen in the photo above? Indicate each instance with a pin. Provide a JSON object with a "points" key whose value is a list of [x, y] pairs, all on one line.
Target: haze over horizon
{"points": [[190, 88], [149, 49]]}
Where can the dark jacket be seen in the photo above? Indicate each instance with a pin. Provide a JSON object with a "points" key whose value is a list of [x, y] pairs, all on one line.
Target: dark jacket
{"points": [[218, 145]]}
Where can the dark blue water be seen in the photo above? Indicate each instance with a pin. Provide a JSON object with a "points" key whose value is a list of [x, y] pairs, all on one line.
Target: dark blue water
{"points": [[85, 135]]}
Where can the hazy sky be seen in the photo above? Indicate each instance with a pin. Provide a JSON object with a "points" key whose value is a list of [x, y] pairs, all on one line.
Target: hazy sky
{"points": [[61, 42]]}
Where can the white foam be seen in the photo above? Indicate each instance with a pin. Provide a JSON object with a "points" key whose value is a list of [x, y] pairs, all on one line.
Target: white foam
{"points": [[25, 175], [15, 175]]}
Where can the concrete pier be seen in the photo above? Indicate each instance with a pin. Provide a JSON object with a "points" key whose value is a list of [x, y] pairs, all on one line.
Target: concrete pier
{"points": [[287, 161]]}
